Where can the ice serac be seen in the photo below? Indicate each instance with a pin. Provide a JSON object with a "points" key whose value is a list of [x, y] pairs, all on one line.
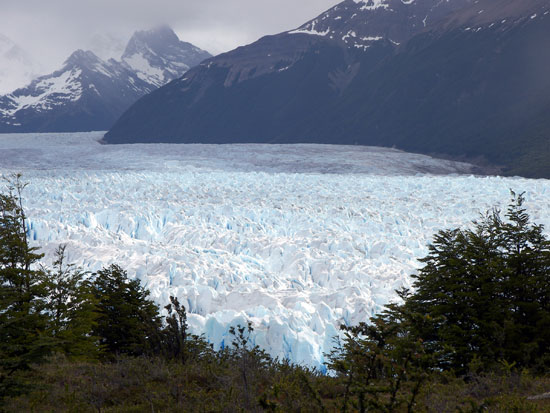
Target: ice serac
{"points": [[460, 78], [89, 93]]}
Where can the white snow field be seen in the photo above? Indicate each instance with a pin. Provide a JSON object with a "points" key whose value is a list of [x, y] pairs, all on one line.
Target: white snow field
{"points": [[296, 238]]}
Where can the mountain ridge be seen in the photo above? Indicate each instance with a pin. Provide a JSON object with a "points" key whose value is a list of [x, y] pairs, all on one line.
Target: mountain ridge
{"points": [[432, 93], [159, 56], [89, 93]]}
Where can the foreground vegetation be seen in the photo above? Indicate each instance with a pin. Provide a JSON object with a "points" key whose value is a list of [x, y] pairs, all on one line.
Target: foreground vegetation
{"points": [[473, 336], [146, 384]]}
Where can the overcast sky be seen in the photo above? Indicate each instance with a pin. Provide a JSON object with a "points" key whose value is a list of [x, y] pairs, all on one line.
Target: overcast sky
{"points": [[51, 29]]}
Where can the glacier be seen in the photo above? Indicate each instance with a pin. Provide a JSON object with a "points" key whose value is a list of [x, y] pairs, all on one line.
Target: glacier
{"points": [[298, 239]]}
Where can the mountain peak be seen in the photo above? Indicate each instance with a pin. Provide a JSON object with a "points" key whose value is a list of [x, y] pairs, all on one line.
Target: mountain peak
{"points": [[82, 58], [157, 38], [89, 92], [162, 31], [157, 55]]}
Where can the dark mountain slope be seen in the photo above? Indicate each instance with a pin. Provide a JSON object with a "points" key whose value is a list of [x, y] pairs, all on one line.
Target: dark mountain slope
{"points": [[465, 91], [216, 107], [274, 89], [471, 85]]}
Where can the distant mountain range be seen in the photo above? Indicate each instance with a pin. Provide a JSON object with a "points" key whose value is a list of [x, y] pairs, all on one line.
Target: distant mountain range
{"points": [[89, 93], [466, 79]]}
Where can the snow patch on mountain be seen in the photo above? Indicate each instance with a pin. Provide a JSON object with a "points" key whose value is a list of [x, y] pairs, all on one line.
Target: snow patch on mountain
{"points": [[145, 71], [47, 92], [65, 87], [312, 32], [358, 22], [375, 4]]}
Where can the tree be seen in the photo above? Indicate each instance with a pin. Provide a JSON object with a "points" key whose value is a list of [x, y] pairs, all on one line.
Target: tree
{"points": [[23, 319], [249, 360], [177, 343], [128, 321], [487, 291], [175, 331], [381, 364], [72, 308], [482, 299]]}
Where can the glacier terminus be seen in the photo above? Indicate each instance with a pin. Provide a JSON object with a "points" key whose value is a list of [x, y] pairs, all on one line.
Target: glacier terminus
{"points": [[298, 239]]}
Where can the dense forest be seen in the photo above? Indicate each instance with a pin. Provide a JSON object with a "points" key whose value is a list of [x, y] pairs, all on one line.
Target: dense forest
{"points": [[472, 336]]}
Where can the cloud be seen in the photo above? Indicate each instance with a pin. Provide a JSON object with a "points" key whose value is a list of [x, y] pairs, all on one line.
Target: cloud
{"points": [[50, 30]]}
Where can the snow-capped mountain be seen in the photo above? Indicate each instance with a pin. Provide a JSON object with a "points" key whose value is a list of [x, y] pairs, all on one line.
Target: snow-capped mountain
{"points": [[294, 76], [159, 56], [359, 23], [85, 92], [460, 78], [17, 67], [89, 93]]}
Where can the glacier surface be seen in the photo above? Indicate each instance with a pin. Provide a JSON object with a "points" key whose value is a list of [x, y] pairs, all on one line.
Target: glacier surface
{"points": [[296, 238]]}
